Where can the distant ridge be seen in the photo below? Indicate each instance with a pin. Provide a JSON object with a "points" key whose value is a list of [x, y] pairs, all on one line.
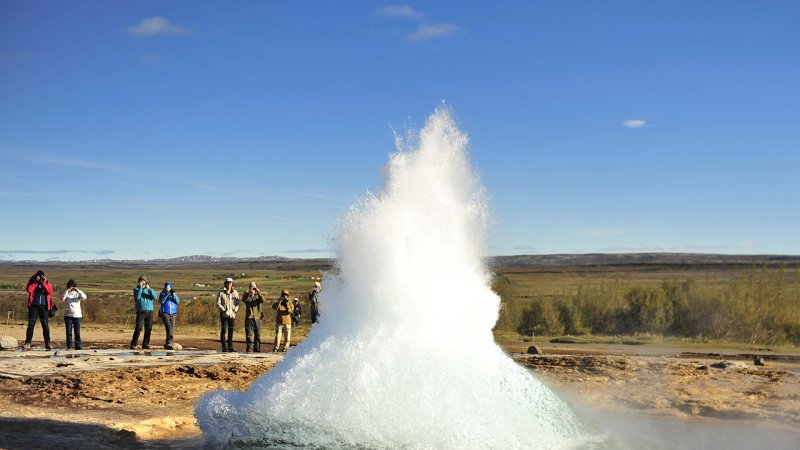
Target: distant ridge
{"points": [[614, 259], [565, 259]]}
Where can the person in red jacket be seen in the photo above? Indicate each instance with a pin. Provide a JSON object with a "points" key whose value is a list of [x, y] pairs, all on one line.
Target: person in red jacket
{"points": [[39, 305]]}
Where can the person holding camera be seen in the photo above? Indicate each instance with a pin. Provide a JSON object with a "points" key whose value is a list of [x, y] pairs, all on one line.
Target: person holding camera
{"points": [[169, 300], [228, 305], [298, 310], [283, 321], [143, 296], [253, 315], [40, 304], [73, 316]]}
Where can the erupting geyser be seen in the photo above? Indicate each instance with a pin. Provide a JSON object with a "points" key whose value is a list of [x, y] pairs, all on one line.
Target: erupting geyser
{"points": [[404, 355]]}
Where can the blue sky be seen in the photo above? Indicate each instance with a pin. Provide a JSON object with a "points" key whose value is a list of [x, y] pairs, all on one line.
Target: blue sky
{"points": [[160, 129]]}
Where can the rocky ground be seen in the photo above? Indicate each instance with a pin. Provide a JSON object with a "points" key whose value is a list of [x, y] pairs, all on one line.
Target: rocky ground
{"points": [[103, 397]]}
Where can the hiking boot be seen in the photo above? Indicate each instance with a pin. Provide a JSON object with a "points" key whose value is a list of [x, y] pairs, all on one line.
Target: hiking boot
{"points": [[26, 346], [48, 347], [77, 347], [248, 350], [145, 347]]}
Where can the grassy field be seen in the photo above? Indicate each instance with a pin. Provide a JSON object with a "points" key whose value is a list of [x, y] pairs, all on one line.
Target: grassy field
{"points": [[758, 305], [755, 304], [110, 299]]}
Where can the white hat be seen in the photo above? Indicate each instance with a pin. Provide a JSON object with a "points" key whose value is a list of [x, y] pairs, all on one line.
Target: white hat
{"points": [[253, 284], [229, 280]]}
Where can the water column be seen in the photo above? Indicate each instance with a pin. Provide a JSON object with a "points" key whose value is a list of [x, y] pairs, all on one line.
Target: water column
{"points": [[404, 355]]}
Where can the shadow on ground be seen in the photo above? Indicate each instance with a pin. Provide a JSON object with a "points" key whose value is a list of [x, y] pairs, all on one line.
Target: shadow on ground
{"points": [[37, 434]]}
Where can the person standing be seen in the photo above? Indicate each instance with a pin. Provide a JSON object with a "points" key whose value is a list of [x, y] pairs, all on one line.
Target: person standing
{"points": [[253, 315], [169, 309], [40, 303], [283, 321], [143, 297], [313, 301], [73, 316], [228, 305], [298, 310]]}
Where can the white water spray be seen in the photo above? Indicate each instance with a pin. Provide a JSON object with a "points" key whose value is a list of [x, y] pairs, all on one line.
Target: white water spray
{"points": [[404, 355]]}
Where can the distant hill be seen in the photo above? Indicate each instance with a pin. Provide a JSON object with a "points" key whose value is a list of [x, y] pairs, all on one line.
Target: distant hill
{"points": [[495, 262], [629, 259]]}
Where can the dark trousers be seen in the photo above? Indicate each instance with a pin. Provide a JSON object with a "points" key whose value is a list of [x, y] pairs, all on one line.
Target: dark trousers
{"points": [[143, 320], [226, 324], [40, 312], [169, 325], [73, 323], [252, 328]]}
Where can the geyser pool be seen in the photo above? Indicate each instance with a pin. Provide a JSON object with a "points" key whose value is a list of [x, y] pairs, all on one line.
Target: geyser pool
{"points": [[404, 355]]}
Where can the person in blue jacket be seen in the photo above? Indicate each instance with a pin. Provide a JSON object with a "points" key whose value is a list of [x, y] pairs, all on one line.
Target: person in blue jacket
{"points": [[169, 309], [143, 297]]}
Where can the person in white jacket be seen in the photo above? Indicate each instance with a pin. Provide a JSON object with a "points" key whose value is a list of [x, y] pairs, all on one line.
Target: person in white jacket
{"points": [[228, 304], [72, 313]]}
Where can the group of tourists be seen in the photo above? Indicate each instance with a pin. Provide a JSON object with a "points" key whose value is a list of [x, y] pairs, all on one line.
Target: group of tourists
{"points": [[287, 313]]}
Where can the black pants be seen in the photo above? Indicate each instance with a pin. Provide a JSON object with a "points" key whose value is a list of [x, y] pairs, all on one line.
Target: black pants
{"points": [[169, 325], [226, 324], [143, 320], [40, 312], [73, 323]]}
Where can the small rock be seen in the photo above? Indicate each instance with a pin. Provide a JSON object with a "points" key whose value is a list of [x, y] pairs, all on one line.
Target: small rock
{"points": [[727, 364], [8, 343], [534, 350], [758, 360], [177, 346]]}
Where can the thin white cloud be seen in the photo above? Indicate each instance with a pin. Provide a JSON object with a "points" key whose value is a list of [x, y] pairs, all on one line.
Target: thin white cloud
{"points": [[15, 194], [603, 232], [525, 248], [154, 26], [16, 56], [45, 158], [427, 32], [401, 12], [634, 123], [149, 59], [57, 252]]}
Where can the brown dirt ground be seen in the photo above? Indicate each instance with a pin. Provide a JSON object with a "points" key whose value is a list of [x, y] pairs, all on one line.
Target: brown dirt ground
{"points": [[148, 401]]}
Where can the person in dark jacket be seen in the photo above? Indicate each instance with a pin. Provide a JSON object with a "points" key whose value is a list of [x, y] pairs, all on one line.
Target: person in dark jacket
{"points": [[143, 296], [313, 302], [169, 309], [253, 315], [40, 303], [298, 311]]}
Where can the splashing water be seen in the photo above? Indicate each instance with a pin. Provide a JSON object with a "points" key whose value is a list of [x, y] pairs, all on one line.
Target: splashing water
{"points": [[404, 355]]}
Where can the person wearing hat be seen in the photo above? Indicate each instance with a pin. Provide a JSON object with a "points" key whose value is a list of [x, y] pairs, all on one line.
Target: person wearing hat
{"points": [[72, 297], [143, 296], [40, 304], [169, 300], [253, 300], [228, 305], [283, 320], [298, 310]]}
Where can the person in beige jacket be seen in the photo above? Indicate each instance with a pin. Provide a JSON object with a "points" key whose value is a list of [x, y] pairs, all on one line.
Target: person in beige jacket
{"points": [[228, 304], [283, 320]]}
